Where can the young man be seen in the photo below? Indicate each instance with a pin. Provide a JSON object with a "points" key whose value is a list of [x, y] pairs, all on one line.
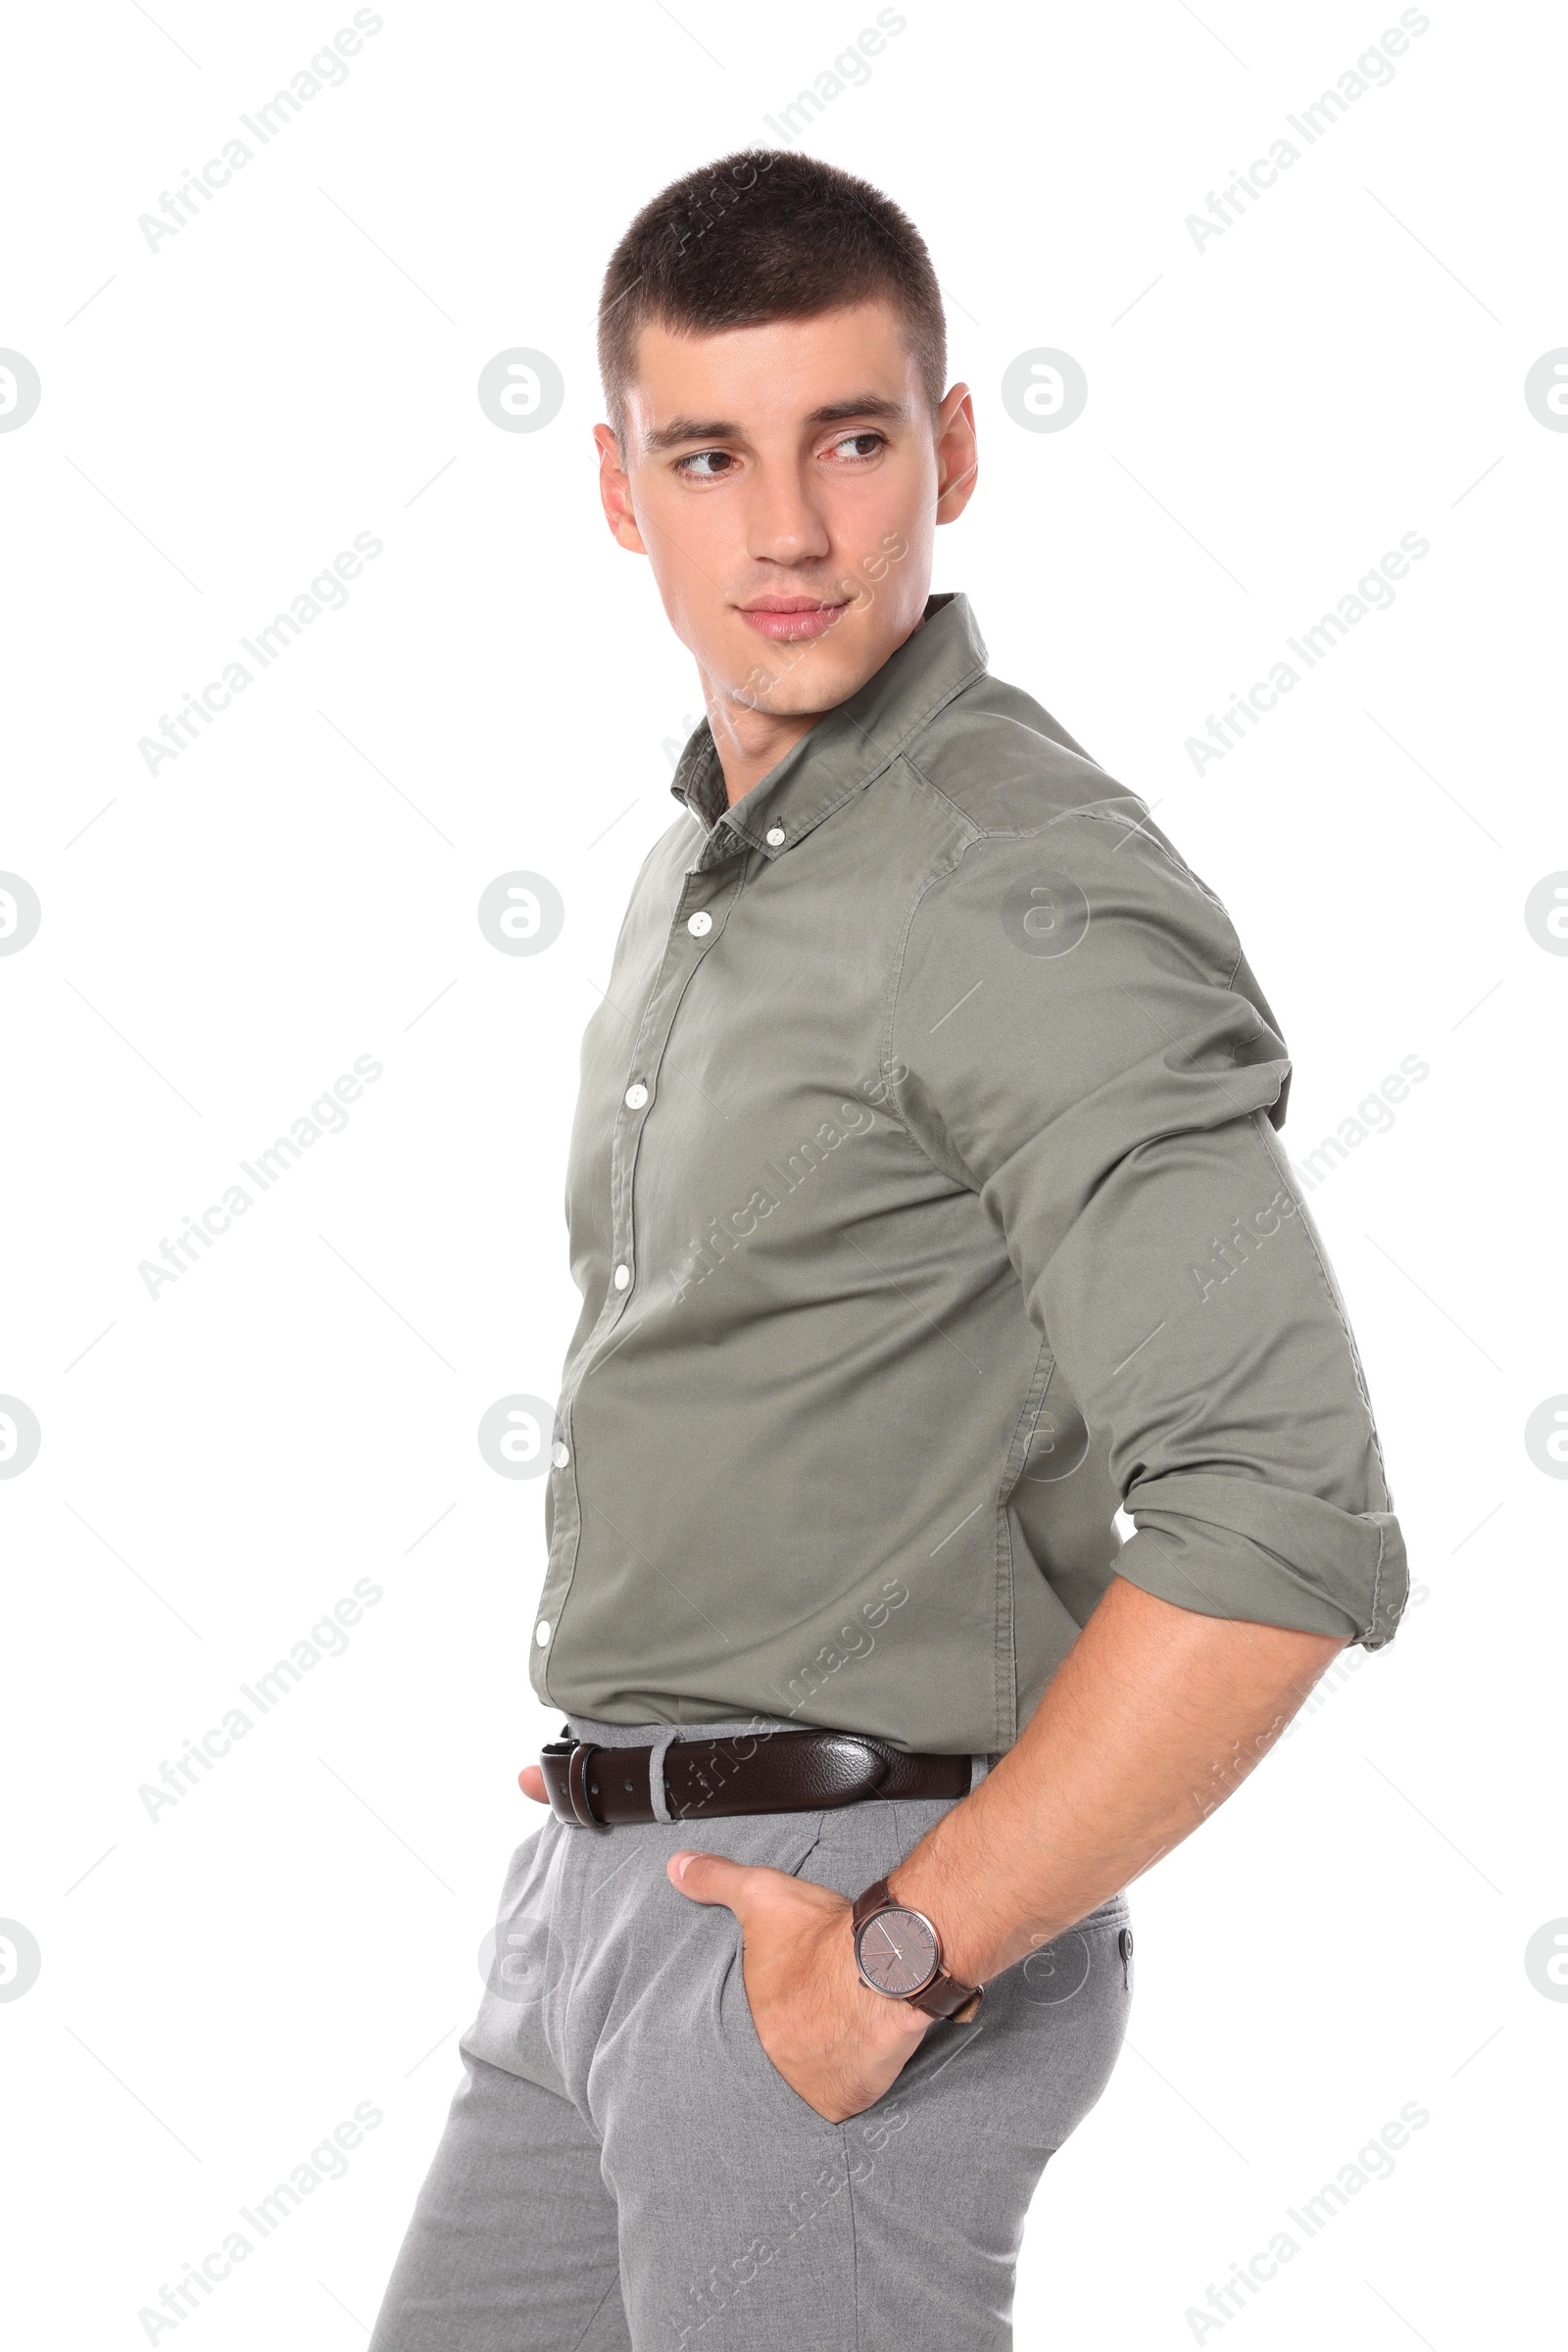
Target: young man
{"points": [[926, 1207]]}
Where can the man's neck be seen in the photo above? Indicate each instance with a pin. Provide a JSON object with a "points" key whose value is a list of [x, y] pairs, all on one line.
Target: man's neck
{"points": [[751, 742]]}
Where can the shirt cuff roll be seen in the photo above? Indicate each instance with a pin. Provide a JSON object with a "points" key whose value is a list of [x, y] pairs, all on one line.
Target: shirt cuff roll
{"points": [[1230, 1546]]}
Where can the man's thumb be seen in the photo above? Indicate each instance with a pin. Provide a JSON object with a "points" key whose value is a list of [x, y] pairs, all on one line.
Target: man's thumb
{"points": [[706, 1877]]}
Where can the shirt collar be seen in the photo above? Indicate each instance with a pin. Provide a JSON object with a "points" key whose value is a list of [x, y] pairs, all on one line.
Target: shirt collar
{"points": [[844, 751]]}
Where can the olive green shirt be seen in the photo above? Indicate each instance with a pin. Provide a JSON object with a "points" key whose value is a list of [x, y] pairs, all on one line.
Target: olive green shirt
{"points": [[926, 1207]]}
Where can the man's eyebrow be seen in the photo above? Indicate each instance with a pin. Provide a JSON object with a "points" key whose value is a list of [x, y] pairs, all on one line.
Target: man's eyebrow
{"points": [[867, 404], [691, 429], [720, 428]]}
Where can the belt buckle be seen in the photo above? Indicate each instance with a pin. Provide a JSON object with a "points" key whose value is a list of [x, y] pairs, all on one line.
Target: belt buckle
{"points": [[569, 1800]]}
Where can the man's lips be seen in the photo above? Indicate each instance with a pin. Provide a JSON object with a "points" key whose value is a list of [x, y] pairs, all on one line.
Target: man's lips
{"points": [[791, 619]]}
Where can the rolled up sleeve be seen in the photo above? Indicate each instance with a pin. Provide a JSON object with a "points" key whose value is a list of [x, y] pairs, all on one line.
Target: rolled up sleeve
{"points": [[1080, 1041]]}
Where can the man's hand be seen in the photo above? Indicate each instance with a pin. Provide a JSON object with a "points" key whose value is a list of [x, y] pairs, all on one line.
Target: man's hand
{"points": [[838, 2046]]}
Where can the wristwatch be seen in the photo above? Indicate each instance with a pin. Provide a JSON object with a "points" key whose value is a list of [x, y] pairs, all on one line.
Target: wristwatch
{"points": [[898, 1953]]}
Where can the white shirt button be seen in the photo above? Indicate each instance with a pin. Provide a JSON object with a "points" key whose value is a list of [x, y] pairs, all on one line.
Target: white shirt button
{"points": [[541, 1634], [774, 836], [559, 1454], [622, 1277], [636, 1096], [700, 924]]}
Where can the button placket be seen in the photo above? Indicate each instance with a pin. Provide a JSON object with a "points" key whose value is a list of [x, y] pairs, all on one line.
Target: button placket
{"points": [[566, 1524], [684, 950], [694, 930]]}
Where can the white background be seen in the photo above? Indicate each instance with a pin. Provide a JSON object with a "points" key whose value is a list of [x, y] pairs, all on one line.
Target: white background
{"points": [[219, 1465]]}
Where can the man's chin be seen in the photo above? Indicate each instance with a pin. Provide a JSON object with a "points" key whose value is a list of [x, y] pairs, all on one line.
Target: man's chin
{"points": [[797, 680]]}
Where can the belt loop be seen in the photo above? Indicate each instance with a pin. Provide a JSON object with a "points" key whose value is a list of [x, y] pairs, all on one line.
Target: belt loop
{"points": [[656, 1772], [979, 1766]]}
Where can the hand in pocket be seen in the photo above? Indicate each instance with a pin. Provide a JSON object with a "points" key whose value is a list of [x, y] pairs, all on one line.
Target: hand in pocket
{"points": [[837, 2045]]}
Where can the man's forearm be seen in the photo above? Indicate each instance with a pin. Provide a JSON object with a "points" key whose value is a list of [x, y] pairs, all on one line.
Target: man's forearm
{"points": [[1156, 1715]]}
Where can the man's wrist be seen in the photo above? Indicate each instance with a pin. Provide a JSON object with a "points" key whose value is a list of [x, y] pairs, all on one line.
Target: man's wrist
{"points": [[961, 1957], [978, 1942]]}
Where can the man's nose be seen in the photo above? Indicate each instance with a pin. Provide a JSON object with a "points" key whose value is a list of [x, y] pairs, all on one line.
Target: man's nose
{"points": [[785, 526]]}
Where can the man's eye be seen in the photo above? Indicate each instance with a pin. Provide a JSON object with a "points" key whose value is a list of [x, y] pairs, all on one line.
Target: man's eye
{"points": [[859, 445], [704, 465]]}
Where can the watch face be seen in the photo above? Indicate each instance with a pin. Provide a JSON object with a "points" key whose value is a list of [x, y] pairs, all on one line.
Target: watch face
{"points": [[898, 1953]]}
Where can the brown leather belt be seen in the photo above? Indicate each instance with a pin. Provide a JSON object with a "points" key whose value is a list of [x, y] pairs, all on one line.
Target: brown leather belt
{"points": [[756, 1772]]}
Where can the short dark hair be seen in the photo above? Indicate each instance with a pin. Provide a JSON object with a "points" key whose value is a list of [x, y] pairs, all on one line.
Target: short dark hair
{"points": [[762, 235]]}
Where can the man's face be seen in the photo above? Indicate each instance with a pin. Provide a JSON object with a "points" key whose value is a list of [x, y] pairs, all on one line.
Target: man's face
{"points": [[784, 482]]}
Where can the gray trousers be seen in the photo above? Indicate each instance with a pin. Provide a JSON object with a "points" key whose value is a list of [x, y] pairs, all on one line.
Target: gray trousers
{"points": [[624, 2170]]}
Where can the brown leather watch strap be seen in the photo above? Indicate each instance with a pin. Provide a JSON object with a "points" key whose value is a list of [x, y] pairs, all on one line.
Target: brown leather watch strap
{"points": [[873, 1899], [945, 1996]]}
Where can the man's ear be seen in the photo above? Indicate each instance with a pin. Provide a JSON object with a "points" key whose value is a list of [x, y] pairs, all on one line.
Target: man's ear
{"points": [[614, 491], [957, 457]]}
